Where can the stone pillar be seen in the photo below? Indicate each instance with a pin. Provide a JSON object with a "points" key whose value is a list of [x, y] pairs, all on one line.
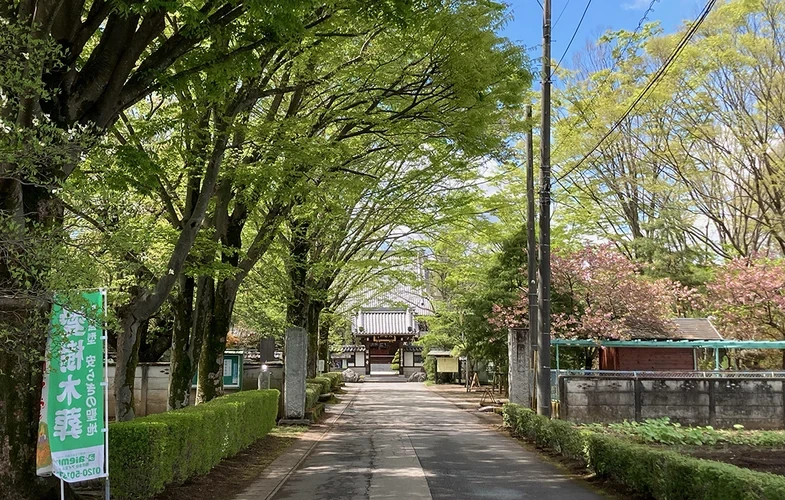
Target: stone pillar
{"points": [[295, 365], [519, 378]]}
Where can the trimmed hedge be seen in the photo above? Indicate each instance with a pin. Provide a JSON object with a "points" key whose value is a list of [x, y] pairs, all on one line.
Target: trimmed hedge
{"points": [[657, 473], [667, 474], [148, 453], [336, 378], [325, 382], [312, 393]]}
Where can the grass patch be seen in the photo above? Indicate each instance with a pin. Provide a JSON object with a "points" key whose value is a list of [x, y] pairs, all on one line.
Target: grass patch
{"points": [[663, 431]]}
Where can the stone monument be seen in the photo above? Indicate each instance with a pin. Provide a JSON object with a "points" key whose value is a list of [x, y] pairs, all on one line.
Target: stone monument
{"points": [[295, 365], [519, 350]]}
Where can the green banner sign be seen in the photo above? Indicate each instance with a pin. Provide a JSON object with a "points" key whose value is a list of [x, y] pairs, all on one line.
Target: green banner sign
{"points": [[232, 371], [73, 405]]}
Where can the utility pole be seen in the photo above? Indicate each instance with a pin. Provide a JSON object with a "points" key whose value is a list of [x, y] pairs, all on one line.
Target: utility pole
{"points": [[544, 318], [531, 253]]}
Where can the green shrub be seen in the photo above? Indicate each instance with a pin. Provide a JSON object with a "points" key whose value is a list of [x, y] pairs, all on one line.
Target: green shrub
{"points": [[336, 378], [316, 412], [663, 431], [556, 435], [651, 472], [429, 366], [312, 393], [669, 475], [326, 383], [395, 365], [150, 452]]}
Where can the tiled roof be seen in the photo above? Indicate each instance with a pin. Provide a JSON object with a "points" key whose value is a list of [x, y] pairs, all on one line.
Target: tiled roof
{"points": [[385, 321], [412, 348], [439, 352], [683, 329], [352, 348], [696, 329], [400, 295]]}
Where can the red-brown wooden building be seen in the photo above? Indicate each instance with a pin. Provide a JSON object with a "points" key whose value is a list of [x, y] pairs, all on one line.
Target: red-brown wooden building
{"points": [[661, 358]]}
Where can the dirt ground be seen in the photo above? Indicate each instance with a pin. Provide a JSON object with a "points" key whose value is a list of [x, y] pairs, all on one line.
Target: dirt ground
{"points": [[233, 475], [756, 458]]}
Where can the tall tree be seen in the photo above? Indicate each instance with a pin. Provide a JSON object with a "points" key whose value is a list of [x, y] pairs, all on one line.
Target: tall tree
{"points": [[747, 296], [104, 57]]}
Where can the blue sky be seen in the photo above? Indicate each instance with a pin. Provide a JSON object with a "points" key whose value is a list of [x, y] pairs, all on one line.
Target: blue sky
{"points": [[525, 27]]}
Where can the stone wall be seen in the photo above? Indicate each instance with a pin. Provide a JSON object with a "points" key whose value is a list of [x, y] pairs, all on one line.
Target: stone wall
{"points": [[151, 385], [755, 403]]}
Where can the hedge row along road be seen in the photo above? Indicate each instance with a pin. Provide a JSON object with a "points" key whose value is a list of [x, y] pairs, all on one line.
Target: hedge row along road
{"points": [[651, 472]]}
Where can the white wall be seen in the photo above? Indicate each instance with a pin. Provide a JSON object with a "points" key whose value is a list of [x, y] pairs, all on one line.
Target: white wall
{"points": [[408, 359], [151, 386]]}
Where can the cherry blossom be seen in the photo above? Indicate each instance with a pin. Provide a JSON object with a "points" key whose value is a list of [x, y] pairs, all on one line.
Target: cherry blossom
{"points": [[600, 293]]}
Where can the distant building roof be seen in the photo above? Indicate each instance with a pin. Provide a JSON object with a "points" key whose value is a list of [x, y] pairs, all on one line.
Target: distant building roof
{"points": [[685, 329], [384, 321], [351, 348], [412, 348], [696, 329], [399, 295]]}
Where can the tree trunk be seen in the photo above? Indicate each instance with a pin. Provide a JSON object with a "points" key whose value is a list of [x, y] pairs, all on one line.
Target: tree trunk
{"points": [[21, 376], [297, 311], [205, 304], [211, 359], [324, 342], [182, 363], [125, 366], [588, 361], [312, 327]]}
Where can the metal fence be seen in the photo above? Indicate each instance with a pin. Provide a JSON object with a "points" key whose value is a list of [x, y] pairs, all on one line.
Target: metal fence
{"points": [[555, 374]]}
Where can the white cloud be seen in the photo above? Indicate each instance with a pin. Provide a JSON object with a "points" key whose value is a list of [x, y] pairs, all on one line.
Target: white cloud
{"points": [[635, 5]]}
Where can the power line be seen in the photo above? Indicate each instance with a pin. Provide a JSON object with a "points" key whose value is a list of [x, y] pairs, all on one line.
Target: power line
{"points": [[574, 33], [539, 3], [561, 13], [653, 81]]}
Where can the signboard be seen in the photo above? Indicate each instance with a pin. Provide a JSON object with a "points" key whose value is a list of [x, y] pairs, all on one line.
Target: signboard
{"points": [[232, 371], [447, 365], [73, 427]]}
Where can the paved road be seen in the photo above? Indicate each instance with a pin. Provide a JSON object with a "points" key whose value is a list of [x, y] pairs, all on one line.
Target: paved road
{"points": [[403, 441]]}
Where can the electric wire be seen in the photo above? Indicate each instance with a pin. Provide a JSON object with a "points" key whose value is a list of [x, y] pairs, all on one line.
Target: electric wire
{"points": [[561, 13], [572, 38]]}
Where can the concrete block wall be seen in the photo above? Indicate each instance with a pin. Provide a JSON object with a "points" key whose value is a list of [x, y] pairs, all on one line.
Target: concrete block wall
{"points": [[755, 403]]}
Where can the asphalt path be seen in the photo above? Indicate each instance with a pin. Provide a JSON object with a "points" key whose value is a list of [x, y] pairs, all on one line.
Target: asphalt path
{"points": [[404, 441]]}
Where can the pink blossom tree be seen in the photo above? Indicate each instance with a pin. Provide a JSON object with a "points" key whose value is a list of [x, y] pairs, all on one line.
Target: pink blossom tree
{"points": [[599, 293], [606, 297], [747, 297]]}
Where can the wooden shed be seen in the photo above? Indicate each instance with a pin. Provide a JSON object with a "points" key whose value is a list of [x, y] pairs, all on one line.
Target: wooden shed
{"points": [[661, 358]]}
